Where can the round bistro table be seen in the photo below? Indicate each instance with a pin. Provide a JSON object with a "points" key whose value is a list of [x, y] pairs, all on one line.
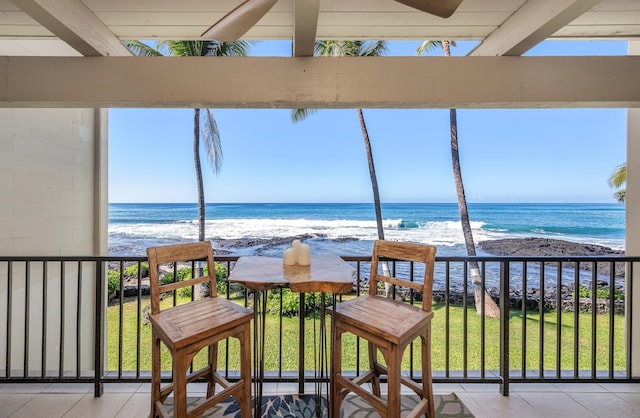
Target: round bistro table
{"points": [[327, 273]]}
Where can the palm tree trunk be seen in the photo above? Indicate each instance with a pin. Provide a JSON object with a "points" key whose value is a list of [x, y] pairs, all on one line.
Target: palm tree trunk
{"points": [[201, 290], [376, 192], [196, 161], [489, 308], [372, 173]]}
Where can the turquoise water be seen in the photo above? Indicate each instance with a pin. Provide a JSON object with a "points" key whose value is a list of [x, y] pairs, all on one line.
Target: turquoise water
{"points": [[349, 229]]}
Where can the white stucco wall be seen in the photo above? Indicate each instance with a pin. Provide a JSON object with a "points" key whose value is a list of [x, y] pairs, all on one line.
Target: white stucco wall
{"points": [[633, 215], [47, 181], [52, 183]]}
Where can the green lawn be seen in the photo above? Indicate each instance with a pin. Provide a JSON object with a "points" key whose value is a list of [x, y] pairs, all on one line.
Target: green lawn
{"points": [[462, 350]]}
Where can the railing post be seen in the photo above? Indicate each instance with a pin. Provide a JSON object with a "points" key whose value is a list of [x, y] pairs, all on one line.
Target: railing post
{"points": [[303, 313], [628, 318], [99, 338], [504, 328]]}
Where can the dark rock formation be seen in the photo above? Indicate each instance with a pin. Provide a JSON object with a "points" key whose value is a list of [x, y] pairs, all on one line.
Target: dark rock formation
{"points": [[546, 247], [223, 246]]}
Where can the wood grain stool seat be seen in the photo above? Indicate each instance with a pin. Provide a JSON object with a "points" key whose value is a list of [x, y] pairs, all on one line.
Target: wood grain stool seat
{"points": [[188, 328], [388, 326]]}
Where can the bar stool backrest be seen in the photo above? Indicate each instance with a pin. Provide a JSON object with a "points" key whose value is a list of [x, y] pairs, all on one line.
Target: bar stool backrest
{"points": [[387, 251], [174, 257]]}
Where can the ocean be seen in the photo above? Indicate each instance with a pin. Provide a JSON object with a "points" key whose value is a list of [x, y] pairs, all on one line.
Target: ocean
{"points": [[350, 228]]}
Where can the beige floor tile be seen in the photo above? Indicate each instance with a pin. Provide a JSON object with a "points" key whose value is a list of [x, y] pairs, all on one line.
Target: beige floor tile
{"points": [[534, 387], [622, 387], [199, 389], [10, 402], [555, 405], [483, 400], [472, 405], [123, 387], [446, 388], [138, 405], [107, 406], [48, 405], [405, 390], [280, 388], [69, 388], [23, 387], [309, 388], [606, 405], [483, 404], [481, 387], [579, 387], [632, 399], [144, 388]]}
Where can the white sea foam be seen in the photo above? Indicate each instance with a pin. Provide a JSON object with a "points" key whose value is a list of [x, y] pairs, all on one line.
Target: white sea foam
{"points": [[442, 233], [446, 233]]}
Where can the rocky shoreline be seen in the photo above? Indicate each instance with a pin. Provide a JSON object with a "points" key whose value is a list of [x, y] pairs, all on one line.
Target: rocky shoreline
{"points": [[533, 299], [226, 246], [549, 299], [546, 247]]}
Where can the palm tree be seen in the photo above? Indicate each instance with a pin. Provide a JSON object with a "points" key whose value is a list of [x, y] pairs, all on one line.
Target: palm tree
{"points": [[617, 180], [205, 127], [490, 308], [354, 49]]}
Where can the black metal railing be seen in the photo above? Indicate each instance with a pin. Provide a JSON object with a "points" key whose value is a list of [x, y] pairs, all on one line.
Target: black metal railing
{"points": [[565, 319]]}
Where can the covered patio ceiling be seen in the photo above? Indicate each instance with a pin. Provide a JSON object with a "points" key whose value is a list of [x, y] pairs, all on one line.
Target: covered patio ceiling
{"points": [[67, 53]]}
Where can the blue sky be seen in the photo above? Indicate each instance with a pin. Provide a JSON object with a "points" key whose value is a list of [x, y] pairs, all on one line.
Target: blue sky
{"points": [[525, 155]]}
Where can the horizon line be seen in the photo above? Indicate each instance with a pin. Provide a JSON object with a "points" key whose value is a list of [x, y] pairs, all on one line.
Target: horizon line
{"points": [[366, 203]]}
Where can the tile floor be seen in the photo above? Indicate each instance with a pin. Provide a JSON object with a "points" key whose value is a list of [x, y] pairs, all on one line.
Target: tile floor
{"points": [[525, 400]]}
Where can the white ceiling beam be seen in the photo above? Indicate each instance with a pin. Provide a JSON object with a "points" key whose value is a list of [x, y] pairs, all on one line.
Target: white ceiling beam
{"points": [[75, 24], [322, 82], [532, 23], [305, 23]]}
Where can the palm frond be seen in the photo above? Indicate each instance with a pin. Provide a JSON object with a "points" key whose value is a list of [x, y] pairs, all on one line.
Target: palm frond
{"points": [[228, 49], [373, 49], [332, 48], [298, 115], [203, 48], [352, 48], [163, 48], [182, 48], [210, 136], [329, 48], [618, 176], [617, 180], [428, 46], [141, 49]]}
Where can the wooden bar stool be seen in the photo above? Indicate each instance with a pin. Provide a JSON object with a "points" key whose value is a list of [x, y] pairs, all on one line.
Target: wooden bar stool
{"points": [[188, 328], [388, 326]]}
